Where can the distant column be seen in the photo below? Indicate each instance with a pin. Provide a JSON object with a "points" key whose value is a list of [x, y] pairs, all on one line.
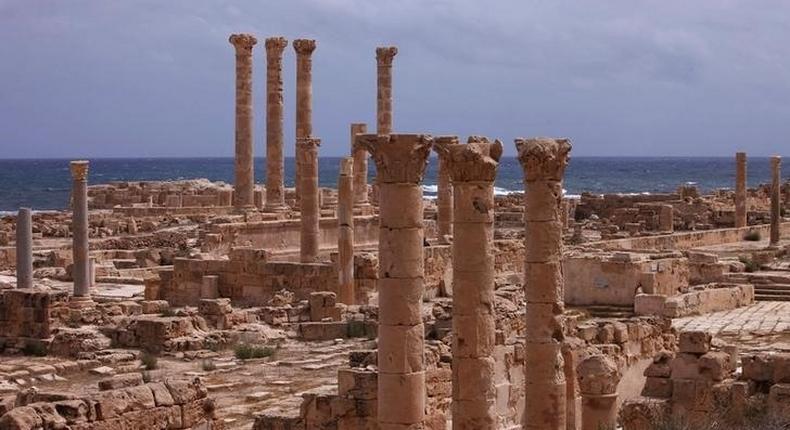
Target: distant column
{"points": [[400, 163], [345, 237], [384, 57], [245, 176], [304, 98], [598, 379], [473, 169], [666, 218], [307, 159], [24, 248], [776, 189], [444, 192], [740, 190], [360, 167], [79, 230], [275, 163], [543, 161]]}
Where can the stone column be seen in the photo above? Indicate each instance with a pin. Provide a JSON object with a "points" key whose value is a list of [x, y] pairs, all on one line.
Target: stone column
{"points": [[304, 98], [360, 167], [384, 57], [666, 218], [473, 169], [740, 190], [400, 164], [24, 248], [345, 237], [79, 230], [275, 163], [444, 194], [307, 160], [244, 173], [598, 379], [543, 161], [776, 187], [91, 272]]}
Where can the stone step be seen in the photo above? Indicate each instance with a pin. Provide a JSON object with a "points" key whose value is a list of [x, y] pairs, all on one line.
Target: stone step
{"points": [[772, 297], [772, 287], [123, 263]]}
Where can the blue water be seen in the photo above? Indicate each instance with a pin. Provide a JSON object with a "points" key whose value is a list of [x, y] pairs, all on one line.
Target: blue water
{"points": [[45, 184]]}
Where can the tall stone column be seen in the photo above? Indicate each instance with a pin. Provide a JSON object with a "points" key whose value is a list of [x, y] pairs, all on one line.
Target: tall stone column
{"points": [[472, 168], [776, 189], [24, 248], [598, 379], [360, 167], [310, 210], [444, 192], [543, 161], [275, 163], [244, 172], [79, 230], [345, 236], [304, 98], [400, 164], [384, 57], [740, 190]]}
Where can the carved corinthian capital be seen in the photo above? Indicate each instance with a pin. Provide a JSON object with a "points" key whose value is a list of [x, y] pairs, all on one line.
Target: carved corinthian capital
{"points": [[275, 46], [385, 54], [476, 161], [79, 170], [243, 43], [399, 158], [543, 158], [304, 46]]}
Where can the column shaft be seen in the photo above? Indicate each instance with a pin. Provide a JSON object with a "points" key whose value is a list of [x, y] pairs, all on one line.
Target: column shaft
{"points": [[79, 228], [275, 162], [24, 248], [360, 167], [345, 238], [244, 169], [384, 57], [304, 98], [776, 214], [307, 159], [444, 192], [740, 190]]}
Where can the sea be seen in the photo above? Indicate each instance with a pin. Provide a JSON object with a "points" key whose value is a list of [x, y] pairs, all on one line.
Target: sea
{"points": [[44, 184]]}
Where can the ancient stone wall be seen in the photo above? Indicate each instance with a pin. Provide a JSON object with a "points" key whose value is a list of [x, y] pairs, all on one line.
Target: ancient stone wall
{"points": [[191, 193], [28, 314]]}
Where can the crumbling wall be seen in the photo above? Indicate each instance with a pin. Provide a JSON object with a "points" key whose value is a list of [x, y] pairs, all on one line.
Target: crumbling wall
{"points": [[28, 314]]}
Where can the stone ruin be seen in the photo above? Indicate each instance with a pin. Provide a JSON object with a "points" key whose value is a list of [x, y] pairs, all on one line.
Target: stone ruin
{"points": [[201, 305]]}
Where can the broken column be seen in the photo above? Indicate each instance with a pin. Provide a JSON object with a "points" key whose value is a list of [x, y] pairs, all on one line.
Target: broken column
{"points": [[598, 379], [776, 214], [543, 161], [310, 210], [304, 98], [472, 168], [275, 164], [244, 173], [345, 235], [444, 192], [740, 190], [666, 218], [24, 248], [400, 164], [360, 167], [79, 231], [384, 56]]}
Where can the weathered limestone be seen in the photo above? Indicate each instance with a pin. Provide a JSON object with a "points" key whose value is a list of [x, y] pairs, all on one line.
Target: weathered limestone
{"points": [[304, 98], [444, 196], [400, 164], [598, 379], [79, 230], [209, 288], [307, 160], [776, 215], [666, 218], [384, 57], [345, 237], [24, 248], [275, 163], [244, 172], [543, 161], [473, 169], [360, 167], [740, 189]]}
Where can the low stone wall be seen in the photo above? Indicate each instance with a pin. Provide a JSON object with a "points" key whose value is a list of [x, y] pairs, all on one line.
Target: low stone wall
{"points": [[27, 314], [704, 299], [688, 240]]}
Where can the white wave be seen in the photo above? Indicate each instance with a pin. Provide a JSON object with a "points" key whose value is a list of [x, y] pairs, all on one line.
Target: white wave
{"points": [[430, 188]]}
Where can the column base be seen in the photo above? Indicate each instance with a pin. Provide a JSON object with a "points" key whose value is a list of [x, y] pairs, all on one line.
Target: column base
{"points": [[79, 302]]}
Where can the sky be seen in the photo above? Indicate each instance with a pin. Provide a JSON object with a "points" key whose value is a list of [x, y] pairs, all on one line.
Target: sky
{"points": [[153, 78]]}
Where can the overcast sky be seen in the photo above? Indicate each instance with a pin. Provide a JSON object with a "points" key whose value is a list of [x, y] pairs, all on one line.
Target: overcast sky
{"points": [[146, 78]]}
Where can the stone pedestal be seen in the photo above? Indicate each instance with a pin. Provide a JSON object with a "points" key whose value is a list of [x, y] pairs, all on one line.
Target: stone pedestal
{"points": [[275, 163], [543, 161], [304, 98], [345, 237], [444, 194], [400, 164], [24, 248], [776, 189], [244, 173], [472, 169], [740, 190], [79, 230], [598, 379], [360, 167], [307, 160]]}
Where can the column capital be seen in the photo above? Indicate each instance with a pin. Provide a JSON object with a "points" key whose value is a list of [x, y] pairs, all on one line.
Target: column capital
{"points": [[385, 54], [598, 375], [275, 46], [79, 169], [476, 161], [740, 156], [304, 46], [776, 161], [399, 158], [441, 145], [543, 158], [243, 42]]}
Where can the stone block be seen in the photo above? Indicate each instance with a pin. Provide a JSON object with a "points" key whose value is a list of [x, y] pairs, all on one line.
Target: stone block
{"points": [[121, 381], [694, 342], [657, 387]]}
